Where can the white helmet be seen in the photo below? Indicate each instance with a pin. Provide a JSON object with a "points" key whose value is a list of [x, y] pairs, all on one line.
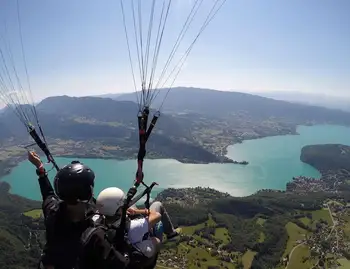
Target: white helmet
{"points": [[109, 201]]}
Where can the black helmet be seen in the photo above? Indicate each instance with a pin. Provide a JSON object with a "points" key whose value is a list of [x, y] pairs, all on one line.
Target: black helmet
{"points": [[74, 183]]}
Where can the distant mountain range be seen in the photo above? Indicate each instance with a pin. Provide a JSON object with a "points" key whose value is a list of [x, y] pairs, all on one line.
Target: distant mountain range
{"points": [[225, 103], [323, 100], [333, 102], [109, 95], [69, 117], [186, 128], [121, 108]]}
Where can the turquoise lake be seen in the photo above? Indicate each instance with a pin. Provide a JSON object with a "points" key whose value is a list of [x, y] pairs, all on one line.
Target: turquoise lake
{"points": [[273, 161]]}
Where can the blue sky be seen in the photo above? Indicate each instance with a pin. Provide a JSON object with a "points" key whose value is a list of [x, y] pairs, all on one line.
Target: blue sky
{"points": [[79, 47]]}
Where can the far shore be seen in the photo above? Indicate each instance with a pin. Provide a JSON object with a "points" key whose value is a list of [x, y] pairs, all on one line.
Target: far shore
{"points": [[17, 159], [20, 158]]}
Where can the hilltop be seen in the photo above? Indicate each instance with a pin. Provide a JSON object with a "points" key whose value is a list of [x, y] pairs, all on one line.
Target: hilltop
{"points": [[235, 104], [329, 157], [332, 160], [103, 128]]}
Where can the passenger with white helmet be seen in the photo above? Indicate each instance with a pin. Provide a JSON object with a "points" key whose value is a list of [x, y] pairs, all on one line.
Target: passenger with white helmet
{"points": [[110, 202]]}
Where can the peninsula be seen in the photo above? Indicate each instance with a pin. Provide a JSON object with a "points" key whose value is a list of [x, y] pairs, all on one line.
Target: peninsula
{"points": [[333, 162]]}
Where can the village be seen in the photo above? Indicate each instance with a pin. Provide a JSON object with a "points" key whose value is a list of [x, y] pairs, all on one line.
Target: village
{"points": [[328, 242], [304, 185], [168, 259]]}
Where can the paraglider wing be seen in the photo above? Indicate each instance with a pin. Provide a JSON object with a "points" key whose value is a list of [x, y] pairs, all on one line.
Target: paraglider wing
{"points": [[140, 19], [146, 22], [13, 92]]}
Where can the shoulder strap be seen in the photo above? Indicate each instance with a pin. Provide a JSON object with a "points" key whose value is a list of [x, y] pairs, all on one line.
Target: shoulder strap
{"points": [[87, 234], [84, 240], [95, 223]]}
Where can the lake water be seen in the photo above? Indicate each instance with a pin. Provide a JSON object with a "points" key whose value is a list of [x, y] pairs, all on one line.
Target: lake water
{"points": [[273, 161]]}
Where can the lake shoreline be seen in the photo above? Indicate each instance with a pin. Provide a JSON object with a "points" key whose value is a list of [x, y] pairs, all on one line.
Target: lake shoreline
{"points": [[235, 190], [16, 160]]}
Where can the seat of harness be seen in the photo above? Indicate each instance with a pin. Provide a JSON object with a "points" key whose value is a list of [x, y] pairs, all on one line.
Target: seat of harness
{"points": [[137, 258]]}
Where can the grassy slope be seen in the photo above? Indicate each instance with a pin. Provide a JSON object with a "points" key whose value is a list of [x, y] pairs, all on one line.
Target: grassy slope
{"points": [[35, 213], [199, 257], [299, 255], [321, 214], [345, 264], [248, 258], [295, 233]]}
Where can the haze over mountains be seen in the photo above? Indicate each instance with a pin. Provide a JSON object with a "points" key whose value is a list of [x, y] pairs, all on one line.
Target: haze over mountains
{"points": [[328, 101], [220, 103], [313, 99], [194, 101], [196, 124]]}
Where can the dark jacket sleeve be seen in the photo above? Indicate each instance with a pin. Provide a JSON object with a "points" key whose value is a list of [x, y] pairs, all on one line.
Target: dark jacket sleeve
{"points": [[45, 187], [50, 200], [104, 254]]}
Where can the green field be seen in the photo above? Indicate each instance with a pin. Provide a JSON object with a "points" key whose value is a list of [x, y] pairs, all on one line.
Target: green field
{"points": [[346, 227], [248, 258], [345, 264], [261, 237], [346, 230], [222, 234], [35, 213], [200, 257], [295, 233], [191, 229], [321, 214], [301, 259], [306, 221]]}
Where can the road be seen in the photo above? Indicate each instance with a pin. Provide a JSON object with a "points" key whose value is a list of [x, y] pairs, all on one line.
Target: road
{"points": [[291, 252], [333, 227], [330, 213], [161, 266]]}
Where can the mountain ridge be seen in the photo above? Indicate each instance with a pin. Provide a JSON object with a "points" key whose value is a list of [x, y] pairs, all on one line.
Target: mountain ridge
{"points": [[186, 98], [205, 121]]}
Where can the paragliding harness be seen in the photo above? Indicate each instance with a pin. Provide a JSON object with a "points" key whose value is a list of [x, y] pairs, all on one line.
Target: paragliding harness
{"points": [[118, 233], [86, 235], [137, 259]]}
